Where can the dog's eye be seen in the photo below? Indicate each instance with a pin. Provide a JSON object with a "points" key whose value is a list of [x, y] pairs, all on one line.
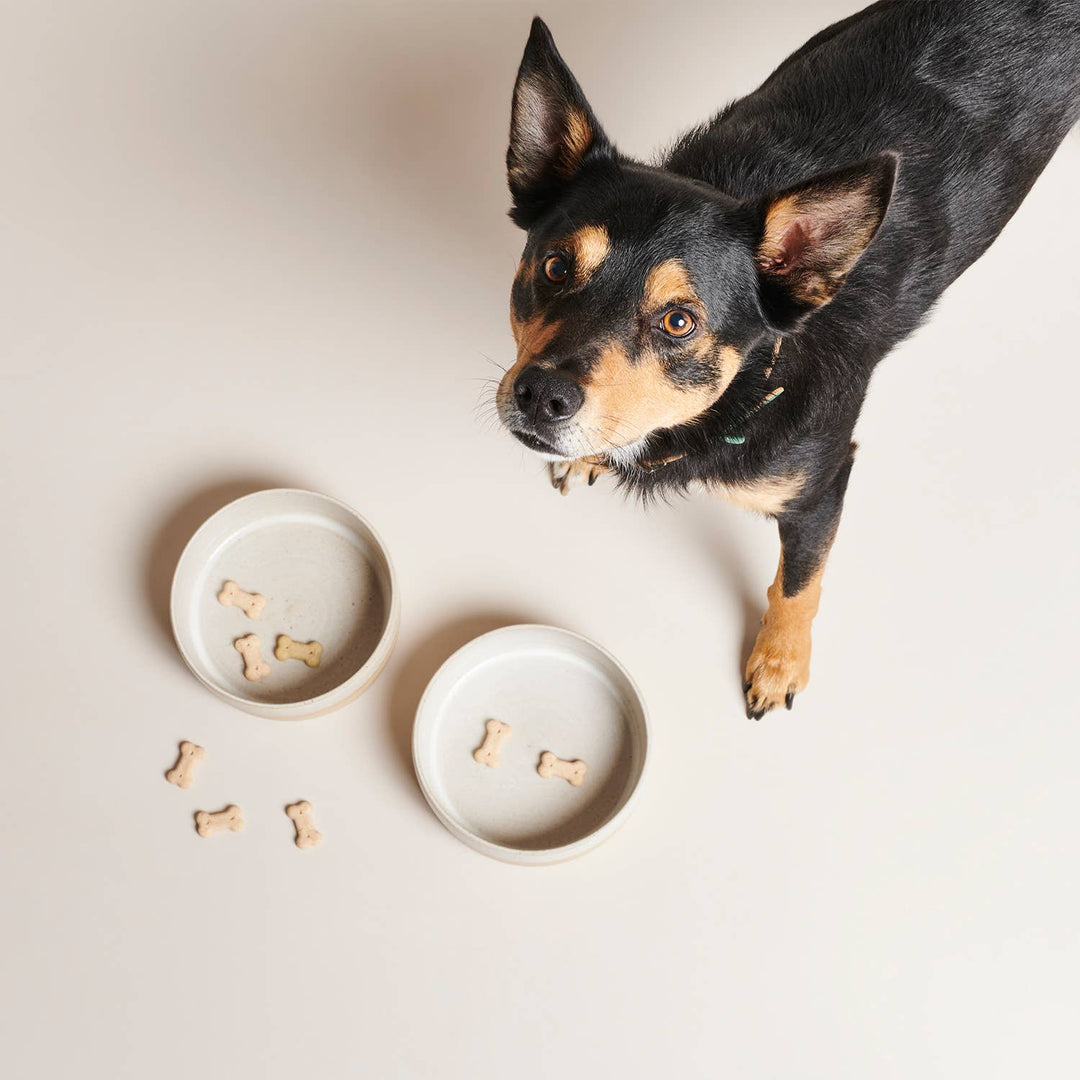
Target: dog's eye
{"points": [[556, 269], [677, 323]]}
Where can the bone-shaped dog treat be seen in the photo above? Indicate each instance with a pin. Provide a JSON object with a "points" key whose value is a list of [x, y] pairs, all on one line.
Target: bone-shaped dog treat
{"points": [[571, 771], [255, 667], [306, 833], [487, 753], [230, 818], [308, 651], [182, 774], [251, 604]]}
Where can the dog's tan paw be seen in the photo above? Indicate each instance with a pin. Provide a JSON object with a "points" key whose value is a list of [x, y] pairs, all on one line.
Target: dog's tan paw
{"points": [[778, 668], [567, 475]]}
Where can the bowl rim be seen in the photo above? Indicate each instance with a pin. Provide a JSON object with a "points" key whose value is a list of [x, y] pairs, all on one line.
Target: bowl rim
{"points": [[327, 701], [507, 852]]}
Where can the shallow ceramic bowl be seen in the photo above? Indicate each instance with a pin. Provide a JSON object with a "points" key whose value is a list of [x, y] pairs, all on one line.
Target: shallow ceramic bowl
{"points": [[326, 577], [557, 691]]}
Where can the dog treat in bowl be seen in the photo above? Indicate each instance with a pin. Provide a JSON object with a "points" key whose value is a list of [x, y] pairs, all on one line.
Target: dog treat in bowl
{"points": [[487, 753], [255, 667], [308, 651], [573, 772], [182, 774], [251, 604], [231, 818]]}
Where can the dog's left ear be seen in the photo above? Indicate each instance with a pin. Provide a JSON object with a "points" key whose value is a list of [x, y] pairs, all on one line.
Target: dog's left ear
{"points": [[553, 132], [811, 236]]}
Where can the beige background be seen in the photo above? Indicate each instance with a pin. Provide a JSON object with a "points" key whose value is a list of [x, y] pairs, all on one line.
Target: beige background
{"points": [[264, 243]]}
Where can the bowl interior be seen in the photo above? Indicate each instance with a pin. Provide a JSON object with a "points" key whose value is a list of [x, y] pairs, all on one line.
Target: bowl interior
{"points": [[558, 692], [325, 578]]}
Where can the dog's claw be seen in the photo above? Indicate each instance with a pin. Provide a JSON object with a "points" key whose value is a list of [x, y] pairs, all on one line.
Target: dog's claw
{"points": [[754, 709], [566, 475], [789, 700]]}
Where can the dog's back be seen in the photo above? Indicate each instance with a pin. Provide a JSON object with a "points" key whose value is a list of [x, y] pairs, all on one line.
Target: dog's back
{"points": [[974, 96]]}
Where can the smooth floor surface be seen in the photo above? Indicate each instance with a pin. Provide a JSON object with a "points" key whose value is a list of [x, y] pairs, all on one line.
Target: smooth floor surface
{"points": [[261, 243]]}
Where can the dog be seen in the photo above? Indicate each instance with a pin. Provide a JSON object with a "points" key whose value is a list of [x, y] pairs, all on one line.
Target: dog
{"points": [[715, 319]]}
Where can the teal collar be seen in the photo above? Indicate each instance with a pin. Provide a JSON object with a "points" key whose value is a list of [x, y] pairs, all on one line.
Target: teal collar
{"points": [[768, 399]]}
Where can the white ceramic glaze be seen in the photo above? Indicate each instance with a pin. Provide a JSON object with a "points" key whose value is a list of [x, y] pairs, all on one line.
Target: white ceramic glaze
{"points": [[325, 575], [558, 691]]}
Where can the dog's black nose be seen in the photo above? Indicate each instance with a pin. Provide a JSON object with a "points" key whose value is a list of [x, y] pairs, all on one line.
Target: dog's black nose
{"points": [[544, 395]]}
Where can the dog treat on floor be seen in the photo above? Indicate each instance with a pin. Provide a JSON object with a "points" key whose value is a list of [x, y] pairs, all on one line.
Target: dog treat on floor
{"points": [[182, 774], [308, 651], [206, 824], [573, 772], [306, 833], [255, 667], [487, 753], [251, 604]]}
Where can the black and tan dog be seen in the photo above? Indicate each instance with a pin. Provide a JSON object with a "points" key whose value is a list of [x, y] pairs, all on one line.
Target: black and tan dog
{"points": [[715, 319]]}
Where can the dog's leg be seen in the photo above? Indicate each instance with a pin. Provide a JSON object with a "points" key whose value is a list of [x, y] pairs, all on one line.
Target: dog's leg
{"points": [[779, 666], [567, 475]]}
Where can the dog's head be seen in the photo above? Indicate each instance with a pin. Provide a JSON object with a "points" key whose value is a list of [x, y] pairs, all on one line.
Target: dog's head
{"points": [[639, 291]]}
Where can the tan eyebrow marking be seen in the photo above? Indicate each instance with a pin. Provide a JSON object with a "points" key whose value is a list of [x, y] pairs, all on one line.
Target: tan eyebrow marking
{"points": [[668, 283], [590, 246]]}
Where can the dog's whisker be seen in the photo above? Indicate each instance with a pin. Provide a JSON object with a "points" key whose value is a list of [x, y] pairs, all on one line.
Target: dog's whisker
{"points": [[504, 368]]}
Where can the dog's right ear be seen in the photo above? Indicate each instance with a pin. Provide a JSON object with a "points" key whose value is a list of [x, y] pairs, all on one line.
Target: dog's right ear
{"points": [[553, 132]]}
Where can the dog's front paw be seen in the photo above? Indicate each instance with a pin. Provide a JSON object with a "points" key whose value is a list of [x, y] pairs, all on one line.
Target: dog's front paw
{"points": [[778, 668], [567, 475]]}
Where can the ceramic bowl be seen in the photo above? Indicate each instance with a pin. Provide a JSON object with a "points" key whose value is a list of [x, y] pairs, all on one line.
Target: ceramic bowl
{"points": [[559, 692], [326, 577]]}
